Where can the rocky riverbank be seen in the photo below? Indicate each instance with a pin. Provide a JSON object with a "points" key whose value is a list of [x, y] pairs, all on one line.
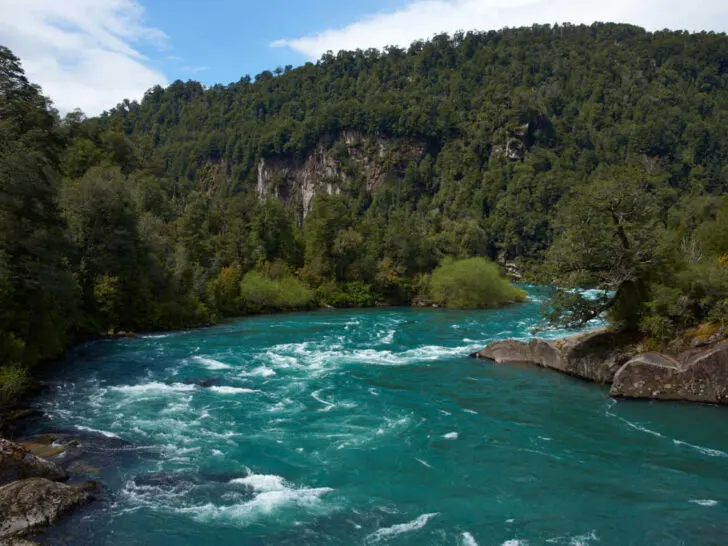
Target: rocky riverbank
{"points": [[698, 373], [31, 493]]}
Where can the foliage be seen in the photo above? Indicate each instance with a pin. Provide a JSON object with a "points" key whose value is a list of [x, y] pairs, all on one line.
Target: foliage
{"points": [[593, 155], [14, 380], [259, 292], [473, 283], [351, 294]]}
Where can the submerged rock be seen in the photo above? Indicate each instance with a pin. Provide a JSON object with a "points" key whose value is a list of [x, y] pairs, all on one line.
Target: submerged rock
{"points": [[37, 502], [596, 356], [700, 376], [18, 463], [207, 382]]}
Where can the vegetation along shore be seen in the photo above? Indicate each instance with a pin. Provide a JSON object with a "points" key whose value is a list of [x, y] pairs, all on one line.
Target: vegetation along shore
{"points": [[588, 156]]}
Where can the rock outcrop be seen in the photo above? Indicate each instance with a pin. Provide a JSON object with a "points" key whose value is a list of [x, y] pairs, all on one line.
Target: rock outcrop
{"points": [[334, 161], [29, 496], [26, 505], [17, 463], [595, 356], [700, 376]]}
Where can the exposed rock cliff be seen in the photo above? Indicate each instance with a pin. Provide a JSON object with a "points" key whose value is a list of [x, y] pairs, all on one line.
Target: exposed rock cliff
{"points": [[699, 375], [29, 498], [17, 463], [36, 502], [595, 356], [352, 156]]}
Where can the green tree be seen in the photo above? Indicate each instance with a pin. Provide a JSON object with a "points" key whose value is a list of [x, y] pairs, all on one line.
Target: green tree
{"points": [[473, 283]]}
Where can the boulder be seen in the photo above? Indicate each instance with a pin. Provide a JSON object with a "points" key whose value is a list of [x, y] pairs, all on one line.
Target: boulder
{"points": [[80, 451], [26, 505], [17, 463], [595, 356], [699, 376]]}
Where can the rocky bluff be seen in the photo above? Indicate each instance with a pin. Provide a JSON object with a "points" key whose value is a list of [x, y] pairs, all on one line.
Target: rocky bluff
{"points": [[698, 374], [335, 161]]}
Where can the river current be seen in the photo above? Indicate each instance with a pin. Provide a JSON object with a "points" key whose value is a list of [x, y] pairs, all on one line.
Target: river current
{"points": [[373, 427]]}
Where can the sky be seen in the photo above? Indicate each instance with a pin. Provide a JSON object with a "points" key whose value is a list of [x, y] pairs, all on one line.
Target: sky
{"points": [[92, 54]]}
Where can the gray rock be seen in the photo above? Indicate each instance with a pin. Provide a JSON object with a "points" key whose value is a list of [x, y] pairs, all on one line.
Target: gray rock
{"points": [[17, 463], [376, 159], [595, 356], [17, 542], [37, 502], [699, 376]]}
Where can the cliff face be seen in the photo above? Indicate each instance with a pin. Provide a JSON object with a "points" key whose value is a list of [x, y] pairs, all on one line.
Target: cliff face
{"points": [[698, 375], [595, 356], [350, 157]]}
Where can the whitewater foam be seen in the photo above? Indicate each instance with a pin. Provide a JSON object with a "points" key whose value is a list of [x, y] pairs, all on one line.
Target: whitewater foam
{"points": [[394, 530], [102, 432], [583, 540], [260, 371], [451, 436], [231, 390], [321, 356], [577, 540], [156, 336], [468, 539], [704, 502], [425, 463], [329, 405], [273, 493], [388, 338], [704, 450], [155, 387], [262, 482], [211, 363], [700, 449]]}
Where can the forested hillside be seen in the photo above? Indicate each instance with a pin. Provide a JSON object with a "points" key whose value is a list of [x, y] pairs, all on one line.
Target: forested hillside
{"points": [[588, 155]]}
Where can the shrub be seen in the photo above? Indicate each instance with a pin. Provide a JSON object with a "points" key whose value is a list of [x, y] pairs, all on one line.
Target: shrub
{"points": [[286, 293], [350, 294], [224, 291], [472, 284], [14, 380]]}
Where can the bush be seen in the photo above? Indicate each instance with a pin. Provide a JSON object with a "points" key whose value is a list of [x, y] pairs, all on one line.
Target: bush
{"points": [[474, 283], [14, 380], [224, 291], [180, 312], [350, 294], [286, 293]]}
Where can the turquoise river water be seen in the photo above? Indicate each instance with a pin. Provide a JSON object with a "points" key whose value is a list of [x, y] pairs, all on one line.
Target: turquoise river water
{"points": [[373, 427]]}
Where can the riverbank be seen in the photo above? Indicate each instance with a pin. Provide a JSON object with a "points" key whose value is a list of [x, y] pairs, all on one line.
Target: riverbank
{"points": [[32, 493], [696, 371]]}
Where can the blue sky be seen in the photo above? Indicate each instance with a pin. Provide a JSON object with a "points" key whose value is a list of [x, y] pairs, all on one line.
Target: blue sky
{"points": [[92, 54], [226, 39]]}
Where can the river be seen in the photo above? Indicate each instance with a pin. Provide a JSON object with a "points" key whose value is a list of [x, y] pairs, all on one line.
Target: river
{"points": [[373, 427]]}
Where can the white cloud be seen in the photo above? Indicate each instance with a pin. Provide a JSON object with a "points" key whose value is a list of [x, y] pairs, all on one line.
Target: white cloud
{"points": [[82, 52], [422, 19], [195, 69]]}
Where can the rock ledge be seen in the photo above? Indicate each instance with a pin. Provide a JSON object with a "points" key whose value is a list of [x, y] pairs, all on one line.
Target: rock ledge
{"points": [[603, 356]]}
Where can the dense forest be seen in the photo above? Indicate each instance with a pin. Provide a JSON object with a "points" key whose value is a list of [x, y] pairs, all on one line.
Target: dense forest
{"points": [[585, 156]]}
